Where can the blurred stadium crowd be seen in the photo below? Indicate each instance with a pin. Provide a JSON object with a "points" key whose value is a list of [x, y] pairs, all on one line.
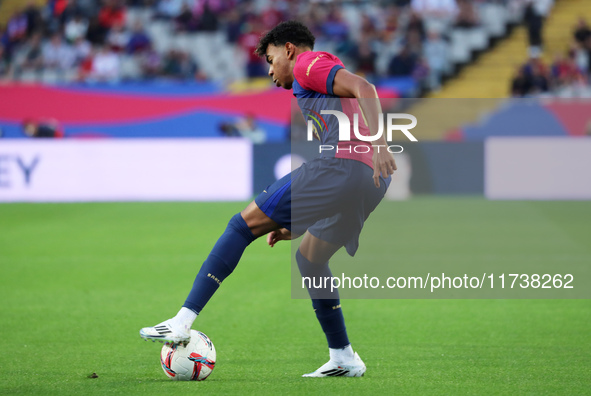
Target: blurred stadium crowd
{"points": [[567, 75], [116, 40]]}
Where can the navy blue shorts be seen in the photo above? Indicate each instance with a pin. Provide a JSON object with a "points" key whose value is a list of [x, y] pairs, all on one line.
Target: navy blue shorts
{"points": [[329, 197]]}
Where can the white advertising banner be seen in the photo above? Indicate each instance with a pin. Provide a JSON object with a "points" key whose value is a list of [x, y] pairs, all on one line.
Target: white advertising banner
{"points": [[125, 170], [540, 168]]}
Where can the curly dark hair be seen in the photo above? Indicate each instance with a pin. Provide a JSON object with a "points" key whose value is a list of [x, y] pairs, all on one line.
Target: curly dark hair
{"points": [[286, 32]]}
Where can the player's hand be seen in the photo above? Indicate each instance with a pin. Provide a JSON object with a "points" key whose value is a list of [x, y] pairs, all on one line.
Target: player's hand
{"points": [[383, 162], [282, 234]]}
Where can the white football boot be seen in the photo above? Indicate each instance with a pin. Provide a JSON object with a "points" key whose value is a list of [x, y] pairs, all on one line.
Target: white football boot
{"points": [[169, 331], [352, 368]]}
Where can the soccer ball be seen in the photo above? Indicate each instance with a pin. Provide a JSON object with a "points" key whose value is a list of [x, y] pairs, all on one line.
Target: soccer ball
{"points": [[193, 362]]}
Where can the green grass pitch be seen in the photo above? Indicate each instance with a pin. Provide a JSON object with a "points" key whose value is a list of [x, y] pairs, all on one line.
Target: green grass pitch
{"points": [[79, 280]]}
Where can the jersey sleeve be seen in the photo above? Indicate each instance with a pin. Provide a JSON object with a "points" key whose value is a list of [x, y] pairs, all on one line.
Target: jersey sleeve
{"points": [[316, 73]]}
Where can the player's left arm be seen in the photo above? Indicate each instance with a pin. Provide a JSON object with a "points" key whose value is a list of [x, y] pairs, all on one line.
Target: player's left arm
{"points": [[349, 85]]}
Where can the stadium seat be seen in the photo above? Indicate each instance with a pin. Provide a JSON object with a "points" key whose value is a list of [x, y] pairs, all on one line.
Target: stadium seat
{"points": [[184, 42], [460, 46], [494, 19], [130, 68], [478, 38], [50, 76], [160, 35], [29, 76], [138, 14], [440, 25]]}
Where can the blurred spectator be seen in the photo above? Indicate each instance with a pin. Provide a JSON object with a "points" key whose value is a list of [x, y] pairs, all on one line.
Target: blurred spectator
{"points": [[118, 38], [414, 42], [105, 66], [16, 28], [366, 59], [403, 64], [416, 26], [537, 74], [88, 8], [587, 50], [249, 41], [273, 15], [170, 9], [521, 84], [77, 27], [580, 57], [30, 56], [34, 19], [207, 18], [179, 65], [314, 19], [535, 13], [436, 52], [439, 13], [96, 33], [540, 83], [112, 14], [390, 26], [36, 128], [565, 70], [421, 73], [82, 50], [150, 63], [467, 17], [58, 55], [435, 8], [85, 67], [234, 24], [368, 31], [246, 127], [58, 7], [364, 34], [228, 129], [214, 6], [185, 20], [69, 12], [141, 3], [568, 75], [582, 32], [334, 27], [4, 62], [138, 40]]}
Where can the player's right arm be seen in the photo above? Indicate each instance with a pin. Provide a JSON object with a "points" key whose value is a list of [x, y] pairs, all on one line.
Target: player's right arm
{"points": [[349, 85], [325, 74]]}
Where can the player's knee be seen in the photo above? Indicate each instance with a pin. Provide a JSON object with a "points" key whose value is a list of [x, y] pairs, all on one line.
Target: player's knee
{"points": [[238, 224], [316, 250], [257, 221]]}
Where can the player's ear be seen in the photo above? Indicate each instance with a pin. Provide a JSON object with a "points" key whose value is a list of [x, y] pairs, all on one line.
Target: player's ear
{"points": [[290, 50]]}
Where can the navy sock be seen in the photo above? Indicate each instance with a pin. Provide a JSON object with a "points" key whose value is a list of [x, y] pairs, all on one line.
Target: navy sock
{"points": [[220, 263], [327, 304]]}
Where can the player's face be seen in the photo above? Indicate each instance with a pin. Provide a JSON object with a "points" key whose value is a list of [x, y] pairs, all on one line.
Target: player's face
{"points": [[281, 60]]}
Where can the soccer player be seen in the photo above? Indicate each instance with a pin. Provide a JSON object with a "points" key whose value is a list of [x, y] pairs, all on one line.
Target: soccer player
{"points": [[326, 199]]}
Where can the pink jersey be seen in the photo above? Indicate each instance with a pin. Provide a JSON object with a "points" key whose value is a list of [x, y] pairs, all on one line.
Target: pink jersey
{"points": [[314, 74]]}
